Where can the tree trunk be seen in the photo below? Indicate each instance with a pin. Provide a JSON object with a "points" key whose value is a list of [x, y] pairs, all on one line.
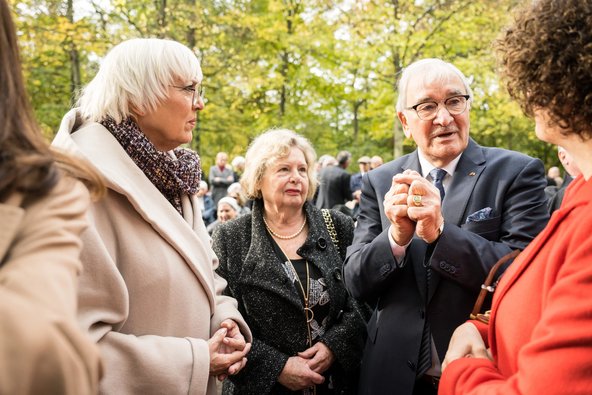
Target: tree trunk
{"points": [[161, 18], [398, 135], [191, 43], [75, 80]]}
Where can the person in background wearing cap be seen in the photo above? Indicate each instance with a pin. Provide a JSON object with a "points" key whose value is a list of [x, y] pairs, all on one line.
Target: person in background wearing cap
{"points": [[356, 184], [376, 161]]}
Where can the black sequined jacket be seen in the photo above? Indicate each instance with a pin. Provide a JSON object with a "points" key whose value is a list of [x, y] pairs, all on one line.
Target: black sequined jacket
{"points": [[272, 306]]}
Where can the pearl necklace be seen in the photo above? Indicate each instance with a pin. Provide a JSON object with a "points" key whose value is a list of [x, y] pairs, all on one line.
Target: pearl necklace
{"points": [[284, 237]]}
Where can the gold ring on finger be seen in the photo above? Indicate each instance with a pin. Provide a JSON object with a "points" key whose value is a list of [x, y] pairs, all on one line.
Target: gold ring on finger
{"points": [[417, 200]]}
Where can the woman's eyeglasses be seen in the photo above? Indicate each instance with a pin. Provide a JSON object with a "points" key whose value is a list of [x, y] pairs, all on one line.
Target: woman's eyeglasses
{"points": [[196, 92]]}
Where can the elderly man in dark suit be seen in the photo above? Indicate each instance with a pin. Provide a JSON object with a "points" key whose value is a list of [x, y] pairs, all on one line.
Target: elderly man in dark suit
{"points": [[355, 182], [431, 225]]}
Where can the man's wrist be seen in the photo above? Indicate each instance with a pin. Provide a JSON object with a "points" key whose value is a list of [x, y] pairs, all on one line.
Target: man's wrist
{"points": [[440, 230]]}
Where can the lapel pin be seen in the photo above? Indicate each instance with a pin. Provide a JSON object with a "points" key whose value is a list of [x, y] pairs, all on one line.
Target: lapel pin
{"points": [[472, 173]]}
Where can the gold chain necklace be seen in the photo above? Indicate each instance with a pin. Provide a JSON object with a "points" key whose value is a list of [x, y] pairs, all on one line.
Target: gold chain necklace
{"points": [[284, 237], [308, 313]]}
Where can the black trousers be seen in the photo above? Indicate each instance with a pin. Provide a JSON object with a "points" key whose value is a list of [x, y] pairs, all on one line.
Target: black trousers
{"points": [[425, 386]]}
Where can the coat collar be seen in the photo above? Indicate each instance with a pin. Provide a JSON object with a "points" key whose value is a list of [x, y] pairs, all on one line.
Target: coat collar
{"points": [[262, 267], [578, 194], [187, 235]]}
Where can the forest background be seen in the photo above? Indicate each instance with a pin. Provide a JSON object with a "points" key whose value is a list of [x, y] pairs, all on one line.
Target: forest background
{"points": [[327, 69]]}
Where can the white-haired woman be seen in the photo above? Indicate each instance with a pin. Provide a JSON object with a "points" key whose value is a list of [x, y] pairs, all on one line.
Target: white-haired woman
{"points": [[285, 271], [227, 209], [148, 294]]}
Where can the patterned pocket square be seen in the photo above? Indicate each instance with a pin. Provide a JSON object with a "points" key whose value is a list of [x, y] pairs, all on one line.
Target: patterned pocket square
{"points": [[480, 215]]}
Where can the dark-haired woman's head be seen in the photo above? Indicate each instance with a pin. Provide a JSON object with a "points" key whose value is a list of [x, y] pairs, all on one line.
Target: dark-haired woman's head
{"points": [[546, 60]]}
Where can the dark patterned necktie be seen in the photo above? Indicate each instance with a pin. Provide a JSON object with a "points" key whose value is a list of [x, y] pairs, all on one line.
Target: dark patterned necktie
{"points": [[425, 350], [437, 177], [424, 361]]}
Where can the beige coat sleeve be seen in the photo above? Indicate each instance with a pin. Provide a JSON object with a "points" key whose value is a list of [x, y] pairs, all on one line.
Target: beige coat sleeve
{"points": [[42, 350], [143, 305]]}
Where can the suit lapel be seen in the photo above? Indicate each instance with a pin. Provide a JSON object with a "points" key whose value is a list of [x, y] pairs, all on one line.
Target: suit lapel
{"points": [[465, 177], [467, 172], [262, 267], [412, 163]]}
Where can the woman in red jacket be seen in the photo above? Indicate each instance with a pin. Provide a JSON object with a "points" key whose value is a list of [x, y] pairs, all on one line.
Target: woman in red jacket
{"points": [[539, 340]]}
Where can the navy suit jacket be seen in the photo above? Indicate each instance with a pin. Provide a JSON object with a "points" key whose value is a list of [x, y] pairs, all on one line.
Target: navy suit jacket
{"points": [[511, 184], [355, 183]]}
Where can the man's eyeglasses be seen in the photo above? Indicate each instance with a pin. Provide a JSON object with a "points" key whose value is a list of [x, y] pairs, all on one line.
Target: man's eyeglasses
{"points": [[196, 92], [427, 111]]}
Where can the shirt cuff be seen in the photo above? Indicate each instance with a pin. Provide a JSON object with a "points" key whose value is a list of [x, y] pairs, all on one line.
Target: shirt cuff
{"points": [[398, 251]]}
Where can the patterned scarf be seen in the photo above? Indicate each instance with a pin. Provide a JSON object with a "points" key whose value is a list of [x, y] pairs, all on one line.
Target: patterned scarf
{"points": [[172, 177]]}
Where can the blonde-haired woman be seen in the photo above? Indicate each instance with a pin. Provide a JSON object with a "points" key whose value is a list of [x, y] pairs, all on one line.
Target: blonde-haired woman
{"points": [[149, 295], [284, 269]]}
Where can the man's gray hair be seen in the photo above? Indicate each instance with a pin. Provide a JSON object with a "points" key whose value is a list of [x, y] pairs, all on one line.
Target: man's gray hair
{"points": [[431, 69]]}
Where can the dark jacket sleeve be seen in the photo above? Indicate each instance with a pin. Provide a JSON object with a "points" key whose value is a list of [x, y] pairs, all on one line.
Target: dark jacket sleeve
{"points": [[346, 190], [370, 262], [524, 214]]}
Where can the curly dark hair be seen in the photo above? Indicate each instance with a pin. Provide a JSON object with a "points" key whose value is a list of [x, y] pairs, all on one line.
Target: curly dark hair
{"points": [[546, 60]]}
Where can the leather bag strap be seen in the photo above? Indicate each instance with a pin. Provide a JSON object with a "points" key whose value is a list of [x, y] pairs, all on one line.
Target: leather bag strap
{"points": [[489, 286]]}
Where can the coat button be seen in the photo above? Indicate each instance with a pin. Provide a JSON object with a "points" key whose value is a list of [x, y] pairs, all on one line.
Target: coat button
{"points": [[322, 243], [411, 365], [337, 274], [443, 265]]}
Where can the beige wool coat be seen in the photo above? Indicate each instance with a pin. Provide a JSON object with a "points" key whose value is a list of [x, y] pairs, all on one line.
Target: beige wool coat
{"points": [[149, 294], [42, 349]]}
